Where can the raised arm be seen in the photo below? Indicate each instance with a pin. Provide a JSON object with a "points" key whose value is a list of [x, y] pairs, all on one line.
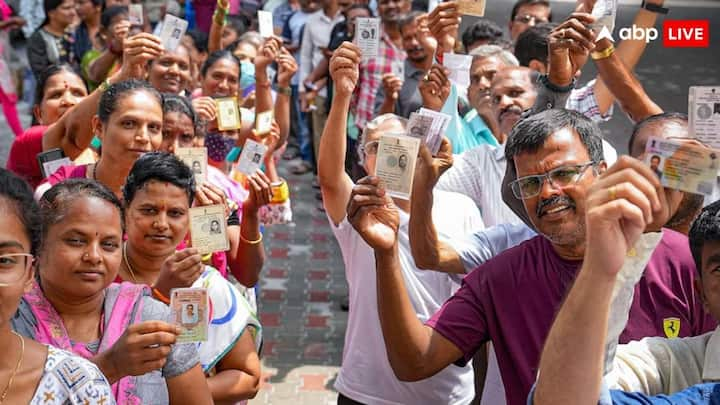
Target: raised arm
{"points": [[216, 27], [98, 69], [287, 69], [415, 350], [71, 132], [335, 184], [619, 206], [267, 55], [427, 250]]}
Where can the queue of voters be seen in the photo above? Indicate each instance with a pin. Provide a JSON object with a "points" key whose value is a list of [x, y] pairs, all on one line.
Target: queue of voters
{"points": [[498, 246]]}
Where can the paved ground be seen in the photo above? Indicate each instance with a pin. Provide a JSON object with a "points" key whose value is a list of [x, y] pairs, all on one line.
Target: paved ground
{"points": [[303, 282]]}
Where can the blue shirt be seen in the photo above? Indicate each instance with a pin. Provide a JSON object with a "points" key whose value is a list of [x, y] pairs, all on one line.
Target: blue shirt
{"points": [[700, 394], [465, 132], [483, 245]]}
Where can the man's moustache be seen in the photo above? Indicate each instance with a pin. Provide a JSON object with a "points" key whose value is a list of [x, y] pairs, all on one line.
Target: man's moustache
{"points": [[556, 199]]}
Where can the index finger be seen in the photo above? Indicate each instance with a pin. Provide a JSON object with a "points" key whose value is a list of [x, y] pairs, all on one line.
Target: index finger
{"points": [[187, 252], [373, 180], [146, 327]]}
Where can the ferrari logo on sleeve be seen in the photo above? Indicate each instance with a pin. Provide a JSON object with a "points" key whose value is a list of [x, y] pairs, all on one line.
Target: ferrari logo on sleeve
{"points": [[671, 326]]}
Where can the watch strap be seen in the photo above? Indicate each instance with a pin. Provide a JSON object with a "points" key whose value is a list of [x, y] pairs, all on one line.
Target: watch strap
{"points": [[654, 8]]}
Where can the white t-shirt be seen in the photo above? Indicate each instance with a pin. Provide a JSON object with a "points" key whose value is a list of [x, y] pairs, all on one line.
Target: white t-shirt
{"points": [[365, 375]]}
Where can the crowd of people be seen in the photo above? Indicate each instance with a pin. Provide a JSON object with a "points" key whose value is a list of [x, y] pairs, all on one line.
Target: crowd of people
{"points": [[531, 262]]}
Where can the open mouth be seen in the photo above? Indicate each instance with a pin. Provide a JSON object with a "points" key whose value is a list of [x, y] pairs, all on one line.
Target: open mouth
{"points": [[555, 210]]}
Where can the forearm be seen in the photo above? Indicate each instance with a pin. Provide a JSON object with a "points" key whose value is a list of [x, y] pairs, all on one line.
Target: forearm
{"points": [[387, 106], [282, 114], [626, 88], [333, 144], [263, 94], [215, 35], [248, 259], [571, 366], [427, 250], [104, 363], [99, 68], [232, 386], [406, 338], [320, 71]]}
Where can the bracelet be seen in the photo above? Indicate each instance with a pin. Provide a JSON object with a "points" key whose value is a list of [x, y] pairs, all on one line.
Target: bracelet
{"points": [[654, 8], [160, 296], [104, 85], [285, 91], [251, 242], [545, 81], [603, 54]]}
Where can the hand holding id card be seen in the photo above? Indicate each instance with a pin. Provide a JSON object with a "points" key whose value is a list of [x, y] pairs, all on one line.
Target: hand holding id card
{"points": [[265, 24], [189, 308], [367, 36], [196, 160], [208, 229], [396, 158], [438, 129], [682, 166], [172, 32], [228, 114], [604, 12]]}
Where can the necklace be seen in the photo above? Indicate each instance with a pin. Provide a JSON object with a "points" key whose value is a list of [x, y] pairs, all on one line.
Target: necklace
{"points": [[17, 367], [127, 263]]}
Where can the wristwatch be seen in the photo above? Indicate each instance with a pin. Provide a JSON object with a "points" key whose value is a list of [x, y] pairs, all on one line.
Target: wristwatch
{"points": [[654, 8]]}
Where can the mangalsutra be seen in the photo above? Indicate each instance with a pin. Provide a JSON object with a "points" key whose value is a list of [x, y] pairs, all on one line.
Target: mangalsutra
{"points": [[17, 367], [127, 263]]}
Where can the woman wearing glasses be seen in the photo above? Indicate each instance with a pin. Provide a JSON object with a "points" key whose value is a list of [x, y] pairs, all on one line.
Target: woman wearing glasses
{"points": [[72, 305], [32, 372]]}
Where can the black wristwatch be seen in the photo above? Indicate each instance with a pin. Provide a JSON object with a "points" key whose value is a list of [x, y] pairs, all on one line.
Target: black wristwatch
{"points": [[654, 8]]}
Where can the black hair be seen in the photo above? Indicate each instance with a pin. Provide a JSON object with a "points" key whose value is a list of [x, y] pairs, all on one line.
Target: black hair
{"points": [[98, 3], [111, 12], [365, 7], [48, 73], [159, 166], [407, 19], [705, 228], [533, 44], [216, 56], [484, 29], [237, 23], [116, 92], [17, 195], [178, 104], [48, 6], [656, 119], [200, 40], [531, 133], [521, 3], [56, 201]]}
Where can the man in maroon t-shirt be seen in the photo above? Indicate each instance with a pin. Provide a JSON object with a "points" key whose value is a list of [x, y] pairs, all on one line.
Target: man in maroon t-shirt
{"points": [[512, 299]]}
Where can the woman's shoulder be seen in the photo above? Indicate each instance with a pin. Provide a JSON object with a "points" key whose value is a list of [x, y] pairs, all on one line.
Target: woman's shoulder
{"points": [[70, 379]]}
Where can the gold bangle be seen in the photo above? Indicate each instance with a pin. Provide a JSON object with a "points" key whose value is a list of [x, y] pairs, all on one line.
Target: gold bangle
{"points": [[603, 54], [104, 85], [251, 242]]}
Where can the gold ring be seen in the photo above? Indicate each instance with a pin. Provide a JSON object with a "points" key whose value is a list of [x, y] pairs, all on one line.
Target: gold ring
{"points": [[426, 78], [612, 191]]}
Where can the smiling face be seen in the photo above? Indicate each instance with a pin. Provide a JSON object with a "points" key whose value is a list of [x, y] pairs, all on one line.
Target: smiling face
{"points": [[170, 73], [157, 219], [391, 10], [558, 213], [133, 129], [81, 253], [221, 79], [13, 239], [512, 92], [62, 91]]}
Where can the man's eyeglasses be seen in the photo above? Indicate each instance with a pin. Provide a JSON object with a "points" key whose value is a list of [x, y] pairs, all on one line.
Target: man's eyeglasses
{"points": [[371, 147], [13, 267], [529, 19], [530, 186]]}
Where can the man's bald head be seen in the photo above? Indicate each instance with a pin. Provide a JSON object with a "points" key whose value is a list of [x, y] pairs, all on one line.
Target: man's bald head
{"points": [[512, 92]]}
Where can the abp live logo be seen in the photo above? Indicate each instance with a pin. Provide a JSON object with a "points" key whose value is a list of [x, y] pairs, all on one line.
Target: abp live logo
{"points": [[686, 33], [676, 33]]}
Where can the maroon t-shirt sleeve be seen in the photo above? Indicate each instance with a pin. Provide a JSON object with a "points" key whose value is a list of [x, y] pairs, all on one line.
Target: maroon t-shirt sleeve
{"points": [[461, 320], [22, 159]]}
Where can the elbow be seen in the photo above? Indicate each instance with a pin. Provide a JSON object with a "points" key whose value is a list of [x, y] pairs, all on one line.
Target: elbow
{"points": [[425, 259], [408, 373], [254, 389]]}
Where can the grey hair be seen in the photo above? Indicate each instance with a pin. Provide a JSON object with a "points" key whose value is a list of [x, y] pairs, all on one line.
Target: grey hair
{"points": [[373, 126], [486, 51]]}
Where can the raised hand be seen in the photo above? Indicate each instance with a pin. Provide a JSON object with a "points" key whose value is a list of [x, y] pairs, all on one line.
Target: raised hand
{"points": [[391, 86], [180, 270], [373, 214], [205, 108], [344, 68], [287, 67], [268, 53], [435, 87], [429, 168], [138, 50], [209, 194], [260, 192], [619, 206], [143, 348], [569, 45], [444, 23]]}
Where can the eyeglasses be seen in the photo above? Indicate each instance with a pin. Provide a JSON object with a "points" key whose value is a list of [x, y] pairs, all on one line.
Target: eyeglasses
{"points": [[13, 267], [529, 19], [530, 186], [371, 147]]}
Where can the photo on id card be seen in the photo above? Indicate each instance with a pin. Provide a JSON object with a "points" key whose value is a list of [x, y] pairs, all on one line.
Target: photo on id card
{"points": [[228, 113], [189, 308], [172, 32], [396, 158], [682, 166], [208, 229], [196, 160]]}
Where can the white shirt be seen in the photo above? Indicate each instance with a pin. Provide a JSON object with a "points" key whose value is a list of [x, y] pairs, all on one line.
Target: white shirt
{"points": [[478, 173], [365, 375], [315, 36]]}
